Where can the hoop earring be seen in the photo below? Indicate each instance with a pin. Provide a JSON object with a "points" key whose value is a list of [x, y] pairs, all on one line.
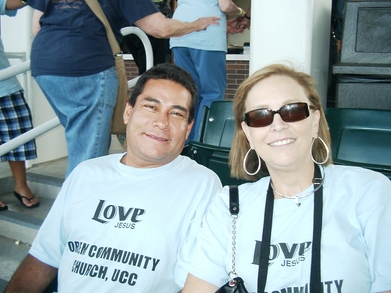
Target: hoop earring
{"points": [[244, 163], [327, 151]]}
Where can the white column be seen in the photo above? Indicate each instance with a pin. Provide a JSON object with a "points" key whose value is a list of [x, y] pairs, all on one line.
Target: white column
{"points": [[295, 32]]}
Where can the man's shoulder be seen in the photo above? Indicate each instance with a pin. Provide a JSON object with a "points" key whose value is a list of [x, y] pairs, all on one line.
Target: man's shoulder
{"points": [[190, 164], [95, 163], [195, 171]]}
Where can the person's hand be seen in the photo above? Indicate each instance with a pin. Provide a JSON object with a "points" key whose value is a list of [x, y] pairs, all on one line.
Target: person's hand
{"points": [[232, 27], [203, 22], [242, 23]]}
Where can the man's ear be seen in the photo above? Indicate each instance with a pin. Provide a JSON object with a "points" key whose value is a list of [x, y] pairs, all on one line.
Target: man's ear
{"points": [[126, 115]]}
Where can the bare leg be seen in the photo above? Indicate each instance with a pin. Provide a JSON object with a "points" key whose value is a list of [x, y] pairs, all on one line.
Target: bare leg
{"points": [[18, 169], [2, 204]]}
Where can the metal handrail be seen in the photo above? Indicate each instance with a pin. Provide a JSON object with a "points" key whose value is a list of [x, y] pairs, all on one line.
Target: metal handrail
{"points": [[15, 70], [147, 46], [49, 125]]}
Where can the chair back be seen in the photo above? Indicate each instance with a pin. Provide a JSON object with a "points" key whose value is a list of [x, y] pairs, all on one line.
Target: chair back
{"points": [[219, 124], [361, 137], [216, 140]]}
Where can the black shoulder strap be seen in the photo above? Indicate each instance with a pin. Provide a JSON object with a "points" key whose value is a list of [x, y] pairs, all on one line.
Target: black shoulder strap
{"points": [[233, 200]]}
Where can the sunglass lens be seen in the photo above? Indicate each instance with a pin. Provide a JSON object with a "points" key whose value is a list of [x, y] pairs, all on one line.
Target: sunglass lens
{"points": [[259, 118], [294, 112]]}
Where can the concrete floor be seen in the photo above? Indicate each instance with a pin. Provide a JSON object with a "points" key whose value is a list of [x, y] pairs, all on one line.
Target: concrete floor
{"points": [[11, 254]]}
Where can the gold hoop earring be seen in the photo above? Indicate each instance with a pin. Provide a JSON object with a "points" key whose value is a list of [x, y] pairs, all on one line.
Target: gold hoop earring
{"points": [[325, 146], [244, 163]]}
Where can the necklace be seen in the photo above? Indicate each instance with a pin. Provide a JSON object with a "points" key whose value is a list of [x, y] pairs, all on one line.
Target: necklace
{"points": [[318, 182], [315, 284]]}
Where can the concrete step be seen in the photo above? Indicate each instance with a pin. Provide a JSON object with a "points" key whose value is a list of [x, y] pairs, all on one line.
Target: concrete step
{"points": [[19, 222], [19, 225], [11, 255]]}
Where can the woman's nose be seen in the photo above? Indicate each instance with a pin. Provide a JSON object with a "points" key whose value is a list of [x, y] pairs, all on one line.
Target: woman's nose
{"points": [[278, 124]]}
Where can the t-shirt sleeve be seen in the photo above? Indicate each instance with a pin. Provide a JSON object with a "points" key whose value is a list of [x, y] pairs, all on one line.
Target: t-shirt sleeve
{"points": [[37, 4], [374, 213], [205, 254], [48, 245], [4, 11], [138, 9]]}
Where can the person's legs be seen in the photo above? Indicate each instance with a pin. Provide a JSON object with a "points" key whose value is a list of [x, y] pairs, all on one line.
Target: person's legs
{"points": [[211, 66], [160, 49], [183, 58], [3, 206], [15, 119], [84, 106], [208, 68], [136, 48], [18, 169]]}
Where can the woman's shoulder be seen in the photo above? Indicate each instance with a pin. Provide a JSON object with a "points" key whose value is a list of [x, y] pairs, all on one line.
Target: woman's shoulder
{"points": [[353, 173], [248, 192], [356, 183]]}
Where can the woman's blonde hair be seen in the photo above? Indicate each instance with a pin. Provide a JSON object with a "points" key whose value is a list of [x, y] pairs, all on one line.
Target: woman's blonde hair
{"points": [[240, 144]]}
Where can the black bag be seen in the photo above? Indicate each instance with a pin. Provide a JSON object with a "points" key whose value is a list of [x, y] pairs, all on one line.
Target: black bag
{"points": [[236, 285]]}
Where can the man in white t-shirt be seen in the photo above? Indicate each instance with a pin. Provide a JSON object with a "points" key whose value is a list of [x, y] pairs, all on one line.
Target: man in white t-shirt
{"points": [[120, 221]]}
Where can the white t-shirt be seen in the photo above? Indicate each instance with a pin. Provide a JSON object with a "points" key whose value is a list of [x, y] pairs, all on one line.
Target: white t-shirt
{"points": [[114, 228], [356, 236]]}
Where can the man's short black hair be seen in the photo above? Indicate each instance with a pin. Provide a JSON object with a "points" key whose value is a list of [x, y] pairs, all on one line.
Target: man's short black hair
{"points": [[170, 72]]}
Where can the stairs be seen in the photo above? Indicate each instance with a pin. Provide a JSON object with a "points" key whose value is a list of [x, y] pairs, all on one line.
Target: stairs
{"points": [[19, 225]]}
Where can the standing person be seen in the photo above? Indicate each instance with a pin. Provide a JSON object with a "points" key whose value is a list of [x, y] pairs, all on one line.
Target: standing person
{"points": [[203, 53], [281, 125], [73, 64], [160, 47], [120, 221], [15, 119]]}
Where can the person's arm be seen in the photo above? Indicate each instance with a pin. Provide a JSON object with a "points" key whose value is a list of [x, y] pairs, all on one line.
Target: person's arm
{"points": [[230, 8], [35, 25], [159, 26], [196, 285], [244, 21], [32, 276], [14, 4]]}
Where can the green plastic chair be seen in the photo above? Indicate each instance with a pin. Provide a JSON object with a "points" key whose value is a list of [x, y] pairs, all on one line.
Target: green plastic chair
{"points": [[217, 133], [361, 137]]}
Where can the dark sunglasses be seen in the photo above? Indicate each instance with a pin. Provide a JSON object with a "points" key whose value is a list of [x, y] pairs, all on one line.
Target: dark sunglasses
{"points": [[289, 113]]}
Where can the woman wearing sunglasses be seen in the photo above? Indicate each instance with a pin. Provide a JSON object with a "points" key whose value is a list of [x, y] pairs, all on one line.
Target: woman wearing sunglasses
{"points": [[306, 226]]}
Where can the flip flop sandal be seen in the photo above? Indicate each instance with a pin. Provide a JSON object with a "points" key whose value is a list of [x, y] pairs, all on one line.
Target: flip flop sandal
{"points": [[20, 198]]}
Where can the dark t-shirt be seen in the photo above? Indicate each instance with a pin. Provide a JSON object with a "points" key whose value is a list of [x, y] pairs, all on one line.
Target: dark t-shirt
{"points": [[72, 40]]}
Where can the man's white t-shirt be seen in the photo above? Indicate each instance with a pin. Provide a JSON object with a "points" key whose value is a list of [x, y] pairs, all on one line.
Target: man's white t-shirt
{"points": [[114, 228]]}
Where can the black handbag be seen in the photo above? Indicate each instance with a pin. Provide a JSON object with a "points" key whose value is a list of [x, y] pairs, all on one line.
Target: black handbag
{"points": [[236, 284]]}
